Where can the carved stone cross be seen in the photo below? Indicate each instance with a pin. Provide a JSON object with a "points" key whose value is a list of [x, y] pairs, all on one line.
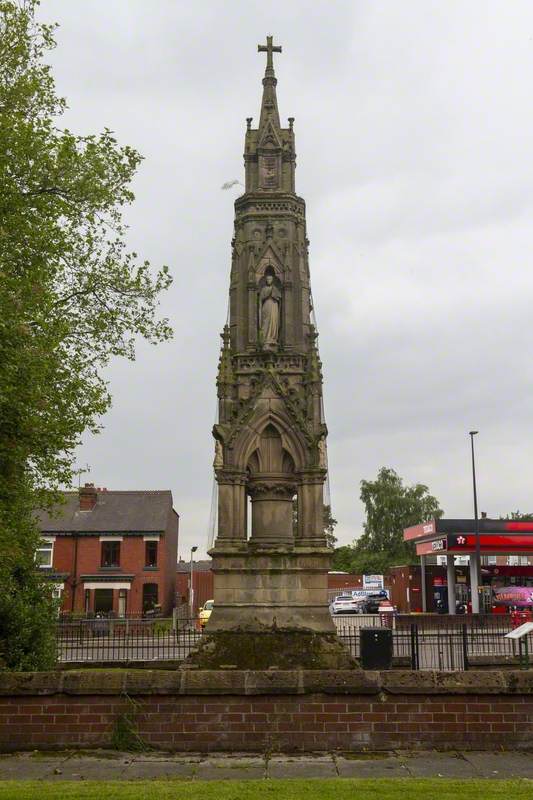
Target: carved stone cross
{"points": [[269, 48]]}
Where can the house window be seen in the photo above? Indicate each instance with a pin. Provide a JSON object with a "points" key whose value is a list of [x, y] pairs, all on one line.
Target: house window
{"points": [[44, 553], [150, 554], [110, 554], [57, 591]]}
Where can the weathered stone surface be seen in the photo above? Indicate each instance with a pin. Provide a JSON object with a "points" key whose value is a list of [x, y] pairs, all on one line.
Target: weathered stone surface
{"points": [[273, 682], [30, 683], [153, 681], [271, 434], [276, 681], [97, 682], [433, 682], [330, 681], [266, 649], [213, 682], [518, 681]]}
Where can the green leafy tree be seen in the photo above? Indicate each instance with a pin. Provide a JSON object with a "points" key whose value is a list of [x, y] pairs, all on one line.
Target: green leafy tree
{"points": [[329, 527], [519, 516], [71, 297], [390, 506], [343, 558], [329, 523]]}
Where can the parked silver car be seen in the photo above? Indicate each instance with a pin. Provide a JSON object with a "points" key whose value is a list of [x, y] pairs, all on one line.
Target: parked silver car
{"points": [[344, 604]]}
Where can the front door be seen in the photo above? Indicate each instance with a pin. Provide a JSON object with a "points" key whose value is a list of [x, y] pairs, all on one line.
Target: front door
{"points": [[103, 601]]}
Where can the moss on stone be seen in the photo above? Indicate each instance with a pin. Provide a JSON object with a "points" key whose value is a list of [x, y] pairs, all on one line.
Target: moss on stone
{"points": [[282, 649]]}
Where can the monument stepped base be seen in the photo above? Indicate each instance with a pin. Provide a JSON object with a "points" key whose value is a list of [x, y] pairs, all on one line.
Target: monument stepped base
{"points": [[270, 649]]}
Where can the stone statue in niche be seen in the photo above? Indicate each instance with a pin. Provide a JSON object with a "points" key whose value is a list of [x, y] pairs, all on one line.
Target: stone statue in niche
{"points": [[219, 455], [269, 312], [322, 453]]}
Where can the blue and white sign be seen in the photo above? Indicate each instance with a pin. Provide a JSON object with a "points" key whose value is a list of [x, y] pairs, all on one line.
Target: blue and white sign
{"points": [[373, 582], [362, 594]]}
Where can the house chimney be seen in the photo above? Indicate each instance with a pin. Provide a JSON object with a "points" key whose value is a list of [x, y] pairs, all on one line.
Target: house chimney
{"points": [[87, 497]]}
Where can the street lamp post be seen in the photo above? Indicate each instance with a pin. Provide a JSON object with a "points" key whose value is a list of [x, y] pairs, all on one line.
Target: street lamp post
{"points": [[191, 592], [477, 606]]}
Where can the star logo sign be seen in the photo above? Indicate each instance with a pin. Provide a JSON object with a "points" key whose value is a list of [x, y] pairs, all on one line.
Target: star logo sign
{"points": [[461, 540]]}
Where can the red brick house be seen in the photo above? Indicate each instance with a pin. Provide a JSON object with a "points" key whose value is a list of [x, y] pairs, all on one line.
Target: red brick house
{"points": [[112, 551]]}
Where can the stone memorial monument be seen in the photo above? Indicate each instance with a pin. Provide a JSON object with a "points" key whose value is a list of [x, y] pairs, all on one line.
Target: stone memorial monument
{"points": [[270, 576]]}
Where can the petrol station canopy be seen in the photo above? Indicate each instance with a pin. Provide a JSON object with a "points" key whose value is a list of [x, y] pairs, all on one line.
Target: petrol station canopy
{"points": [[458, 537]]}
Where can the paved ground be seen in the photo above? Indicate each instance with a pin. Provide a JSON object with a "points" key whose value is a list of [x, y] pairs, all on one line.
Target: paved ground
{"points": [[104, 765]]}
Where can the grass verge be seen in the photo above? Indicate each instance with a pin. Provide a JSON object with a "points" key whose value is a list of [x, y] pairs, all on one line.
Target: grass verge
{"points": [[314, 789]]}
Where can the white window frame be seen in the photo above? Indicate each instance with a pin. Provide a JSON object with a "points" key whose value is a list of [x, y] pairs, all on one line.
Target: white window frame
{"points": [[47, 545], [57, 591]]}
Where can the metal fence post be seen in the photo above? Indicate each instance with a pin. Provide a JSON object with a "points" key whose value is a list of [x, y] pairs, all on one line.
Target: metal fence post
{"points": [[465, 646], [414, 647]]}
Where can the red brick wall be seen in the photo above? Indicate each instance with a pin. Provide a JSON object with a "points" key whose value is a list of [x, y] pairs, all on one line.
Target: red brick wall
{"points": [[287, 723], [336, 581], [203, 586]]}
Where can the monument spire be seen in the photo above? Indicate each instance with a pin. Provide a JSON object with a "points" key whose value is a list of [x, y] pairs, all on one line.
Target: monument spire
{"points": [[270, 565], [269, 104]]}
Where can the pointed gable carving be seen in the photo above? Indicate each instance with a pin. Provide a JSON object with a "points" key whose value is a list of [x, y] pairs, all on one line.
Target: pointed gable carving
{"points": [[269, 137], [270, 258]]}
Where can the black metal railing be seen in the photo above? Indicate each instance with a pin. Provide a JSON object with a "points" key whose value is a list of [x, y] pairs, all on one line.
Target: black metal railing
{"points": [[125, 640], [420, 645], [460, 646]]}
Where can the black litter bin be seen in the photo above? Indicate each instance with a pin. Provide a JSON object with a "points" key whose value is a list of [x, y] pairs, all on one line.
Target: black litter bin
{"points": [[375, 648]]}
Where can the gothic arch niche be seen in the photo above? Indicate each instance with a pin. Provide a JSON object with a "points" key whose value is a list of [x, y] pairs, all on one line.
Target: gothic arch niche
{"points": [[271, 485], [271, 455], [249, 439]]}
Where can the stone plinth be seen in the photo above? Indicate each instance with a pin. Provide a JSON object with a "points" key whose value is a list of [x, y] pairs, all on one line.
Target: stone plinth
{"points": [[263, 589], [271, 610]]}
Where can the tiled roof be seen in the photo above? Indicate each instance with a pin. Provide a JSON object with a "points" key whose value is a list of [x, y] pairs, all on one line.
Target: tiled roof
{"points": [[114, 511]]}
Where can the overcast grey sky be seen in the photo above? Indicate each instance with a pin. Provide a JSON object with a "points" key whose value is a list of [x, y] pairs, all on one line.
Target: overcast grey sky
{"points": [[414, 132]]}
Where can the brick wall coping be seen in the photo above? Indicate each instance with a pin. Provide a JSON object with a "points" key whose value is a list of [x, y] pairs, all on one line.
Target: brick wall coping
{"points": [[271, 682]]}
